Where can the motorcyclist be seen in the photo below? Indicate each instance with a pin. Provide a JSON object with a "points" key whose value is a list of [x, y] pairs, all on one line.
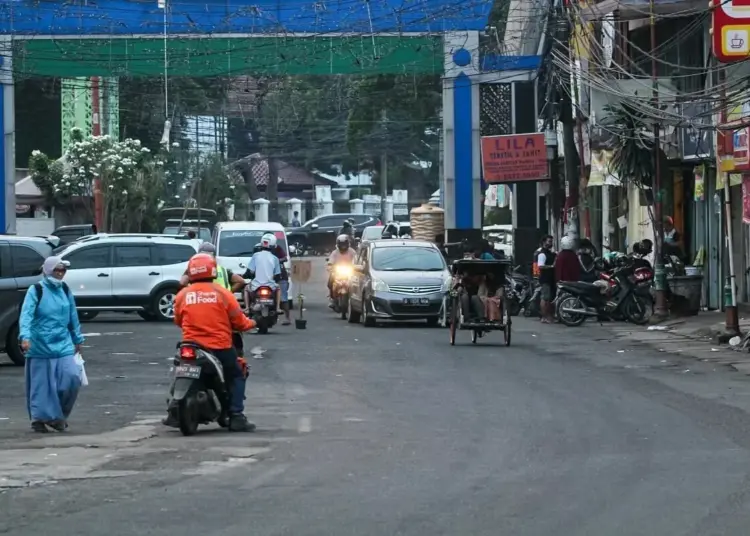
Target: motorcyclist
{"points": [[207, 313], [587, 260], [343, 253], [348, 229], [264, 269], [284, 283], [225, 278]]}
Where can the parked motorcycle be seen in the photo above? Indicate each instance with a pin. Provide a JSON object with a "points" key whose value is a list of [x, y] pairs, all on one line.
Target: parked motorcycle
{"points": [[199, 389], [621, 295], [262, 308], [342, 274]]}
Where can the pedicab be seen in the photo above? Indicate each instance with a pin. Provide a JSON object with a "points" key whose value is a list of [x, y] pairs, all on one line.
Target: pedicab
{"points": [[473, 278]]}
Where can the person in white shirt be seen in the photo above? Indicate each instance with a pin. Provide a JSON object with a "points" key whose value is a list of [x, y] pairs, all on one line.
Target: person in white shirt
{"points": [[265, 268]]}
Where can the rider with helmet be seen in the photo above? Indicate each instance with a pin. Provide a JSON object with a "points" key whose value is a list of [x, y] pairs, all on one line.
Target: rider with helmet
{"points": [[264, 268], [343, 253], [207, 314], [225, 278], [348, 229]]}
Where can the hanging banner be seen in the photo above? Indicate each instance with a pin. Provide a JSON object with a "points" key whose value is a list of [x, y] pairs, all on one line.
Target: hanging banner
{"points": [[699, 192], [746, 199], [514, 158], [490, 196], [735, 179]]}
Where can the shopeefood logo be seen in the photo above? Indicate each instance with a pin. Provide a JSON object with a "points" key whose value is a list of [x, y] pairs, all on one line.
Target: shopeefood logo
{"points": [[193, 298]]}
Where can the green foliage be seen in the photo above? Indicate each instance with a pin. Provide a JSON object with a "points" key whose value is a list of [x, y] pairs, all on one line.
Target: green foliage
{"points": [[632, 144]]}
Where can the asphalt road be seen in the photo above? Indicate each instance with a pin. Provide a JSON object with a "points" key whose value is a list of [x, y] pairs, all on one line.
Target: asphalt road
{"points": [[391, 431]]}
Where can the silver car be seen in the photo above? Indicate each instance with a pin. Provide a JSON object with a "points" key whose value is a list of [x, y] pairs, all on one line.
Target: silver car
{"points": [[398, 279]]}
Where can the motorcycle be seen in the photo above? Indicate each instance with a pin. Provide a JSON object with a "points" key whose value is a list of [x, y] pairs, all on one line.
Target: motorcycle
{"points": [[342, 273], [262, 308], [623, 294], [199, 388]]}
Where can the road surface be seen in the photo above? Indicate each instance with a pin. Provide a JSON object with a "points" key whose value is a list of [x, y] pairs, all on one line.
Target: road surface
{"points": [[390, 431]]}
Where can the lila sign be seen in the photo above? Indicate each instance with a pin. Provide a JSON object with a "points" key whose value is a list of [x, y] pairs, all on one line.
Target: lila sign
{"points": [[514, 158]]}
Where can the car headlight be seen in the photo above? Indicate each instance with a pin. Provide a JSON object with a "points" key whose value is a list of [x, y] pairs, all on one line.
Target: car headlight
{"points": [[447, 285], [379, 286]]}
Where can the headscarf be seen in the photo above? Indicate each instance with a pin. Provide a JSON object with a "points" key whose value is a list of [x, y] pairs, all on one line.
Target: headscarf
{"points": [[50, 263]]}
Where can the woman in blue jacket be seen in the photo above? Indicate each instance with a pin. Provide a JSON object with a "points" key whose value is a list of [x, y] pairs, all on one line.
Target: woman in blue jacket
{"points": [[50, 337]]}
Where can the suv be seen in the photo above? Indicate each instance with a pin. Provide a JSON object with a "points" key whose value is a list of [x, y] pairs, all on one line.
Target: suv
{"points": [[319, 234], [126, 273], [21, 260], [71, 233]]}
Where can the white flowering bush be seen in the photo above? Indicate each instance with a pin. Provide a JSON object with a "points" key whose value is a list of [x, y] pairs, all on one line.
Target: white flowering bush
{"points": [[122, 166]]}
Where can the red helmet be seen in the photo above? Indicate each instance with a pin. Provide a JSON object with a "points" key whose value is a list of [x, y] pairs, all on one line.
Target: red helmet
{"points": [[201, 267]]}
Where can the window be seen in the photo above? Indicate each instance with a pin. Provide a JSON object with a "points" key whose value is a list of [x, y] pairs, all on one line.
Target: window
{"points": [[363, 218], [27, 262], [129, 256], [242, 243], [407, 259], [331, 221], [89, 258], [174, 254]]}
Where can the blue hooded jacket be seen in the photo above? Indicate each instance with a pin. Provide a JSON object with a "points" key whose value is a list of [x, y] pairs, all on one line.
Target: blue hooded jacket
{"points": [[53, 328]]}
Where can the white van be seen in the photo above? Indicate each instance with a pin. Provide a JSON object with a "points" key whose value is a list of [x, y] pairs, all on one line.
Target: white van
{"points": [[236, 240]]}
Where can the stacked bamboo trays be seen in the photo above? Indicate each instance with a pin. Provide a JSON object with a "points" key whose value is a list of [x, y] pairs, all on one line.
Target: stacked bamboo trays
{"points": [[427, 221]]}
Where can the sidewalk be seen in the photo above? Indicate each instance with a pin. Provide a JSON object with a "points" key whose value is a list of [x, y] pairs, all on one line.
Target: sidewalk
{"points": [[696, 336]]}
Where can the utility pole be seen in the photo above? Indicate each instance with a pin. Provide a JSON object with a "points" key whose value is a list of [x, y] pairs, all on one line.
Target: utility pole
{"points": [[660, 309], [96, 130], [384, 169], [731, 320], [569, 143]]}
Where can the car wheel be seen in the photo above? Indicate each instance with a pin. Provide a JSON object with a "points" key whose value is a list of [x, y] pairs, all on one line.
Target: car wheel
{"points": [[86, 316], [299, 246], [367, 320], [352, 316], [163, 306], [13, 348]]}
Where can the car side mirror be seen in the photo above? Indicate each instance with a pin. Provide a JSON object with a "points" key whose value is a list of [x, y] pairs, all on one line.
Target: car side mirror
{"points": [[359, 268], [314, 226]]}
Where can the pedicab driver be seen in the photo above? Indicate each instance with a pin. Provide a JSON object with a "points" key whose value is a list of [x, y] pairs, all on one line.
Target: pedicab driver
{"points": [[207, 314]]}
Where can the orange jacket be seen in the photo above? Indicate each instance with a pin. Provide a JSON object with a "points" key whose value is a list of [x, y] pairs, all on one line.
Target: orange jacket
{"points": [[207, 314]]}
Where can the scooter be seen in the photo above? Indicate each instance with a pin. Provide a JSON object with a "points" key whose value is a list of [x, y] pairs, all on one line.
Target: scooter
{"points": [[198, 389], [261, 307], [342, 274]]}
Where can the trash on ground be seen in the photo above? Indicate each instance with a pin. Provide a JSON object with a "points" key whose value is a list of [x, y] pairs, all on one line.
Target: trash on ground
{"points": [[657, 328], [735, 341]]}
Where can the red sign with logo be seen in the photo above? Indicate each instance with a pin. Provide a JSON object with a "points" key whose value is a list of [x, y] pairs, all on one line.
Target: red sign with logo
{"points": [[730, 21], [514, 158]]}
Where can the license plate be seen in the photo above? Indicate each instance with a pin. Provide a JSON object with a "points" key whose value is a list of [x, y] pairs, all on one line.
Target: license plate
{"points": [[187, 371], [417, 301]]}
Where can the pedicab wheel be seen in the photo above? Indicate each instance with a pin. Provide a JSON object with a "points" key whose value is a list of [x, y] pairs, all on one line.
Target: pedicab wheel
{"points": [[453, 321], [506, 329], [474, 336]]}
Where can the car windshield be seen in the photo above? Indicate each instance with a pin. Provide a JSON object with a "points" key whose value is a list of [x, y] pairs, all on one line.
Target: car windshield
{"points": [[407, 259], [371, 233], [242, 243], [205, 233]]}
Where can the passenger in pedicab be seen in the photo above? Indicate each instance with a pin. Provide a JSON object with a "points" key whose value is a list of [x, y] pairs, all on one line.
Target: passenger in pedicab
{"points": [[472, 306], [491, 292]]}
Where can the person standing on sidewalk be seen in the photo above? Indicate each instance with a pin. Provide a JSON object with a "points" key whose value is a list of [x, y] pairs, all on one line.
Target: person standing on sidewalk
{"points": [[50, 336], [543, 269]]}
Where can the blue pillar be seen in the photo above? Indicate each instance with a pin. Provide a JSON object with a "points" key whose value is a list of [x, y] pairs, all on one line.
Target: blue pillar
{"points": [[460, 185]]}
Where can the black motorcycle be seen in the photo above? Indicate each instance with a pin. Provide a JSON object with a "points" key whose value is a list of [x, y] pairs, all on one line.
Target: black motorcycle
{"points": [[261, 307], [615, 297], [199, 393]]}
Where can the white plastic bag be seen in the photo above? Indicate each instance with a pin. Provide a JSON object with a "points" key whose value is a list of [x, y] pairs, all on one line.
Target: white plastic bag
{"points": [[82, 372]]}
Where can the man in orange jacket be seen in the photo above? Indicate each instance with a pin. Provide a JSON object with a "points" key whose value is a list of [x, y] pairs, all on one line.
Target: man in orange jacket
{"points": [[208, 313]]}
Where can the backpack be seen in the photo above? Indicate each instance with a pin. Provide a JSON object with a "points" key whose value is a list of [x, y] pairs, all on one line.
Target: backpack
{"points": [[40, 292]]}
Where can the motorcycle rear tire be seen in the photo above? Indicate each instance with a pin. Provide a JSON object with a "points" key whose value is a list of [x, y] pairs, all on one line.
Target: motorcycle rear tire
{"points": [[570, 319], [187, 415]]}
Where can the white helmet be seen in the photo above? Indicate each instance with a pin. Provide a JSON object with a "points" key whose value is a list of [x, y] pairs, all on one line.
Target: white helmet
{"points": [[567, 242], [268, 241]]}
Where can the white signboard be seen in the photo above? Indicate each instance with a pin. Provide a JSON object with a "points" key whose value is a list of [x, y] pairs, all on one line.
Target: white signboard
{"points": [[400, 202], [323, 194], [372, 204]]}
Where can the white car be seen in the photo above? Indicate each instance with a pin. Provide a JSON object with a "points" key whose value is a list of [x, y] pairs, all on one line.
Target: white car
{"points": [[236, 240], [127, 273]]}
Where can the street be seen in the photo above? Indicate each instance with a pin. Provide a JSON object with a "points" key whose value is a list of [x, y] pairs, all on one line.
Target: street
{"points": [[390, 431]]}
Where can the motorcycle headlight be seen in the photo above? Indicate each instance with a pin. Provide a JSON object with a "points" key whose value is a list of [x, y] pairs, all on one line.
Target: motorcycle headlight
{"points": [[379, 286], [344, 271]]}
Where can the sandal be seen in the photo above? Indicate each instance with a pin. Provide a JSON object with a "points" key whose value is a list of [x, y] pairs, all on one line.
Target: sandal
{"points": [[39, 427], [60, 425]]}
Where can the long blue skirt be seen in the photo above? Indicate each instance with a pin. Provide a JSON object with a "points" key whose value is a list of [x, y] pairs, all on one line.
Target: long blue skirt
{"points": [[52, 387]]}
